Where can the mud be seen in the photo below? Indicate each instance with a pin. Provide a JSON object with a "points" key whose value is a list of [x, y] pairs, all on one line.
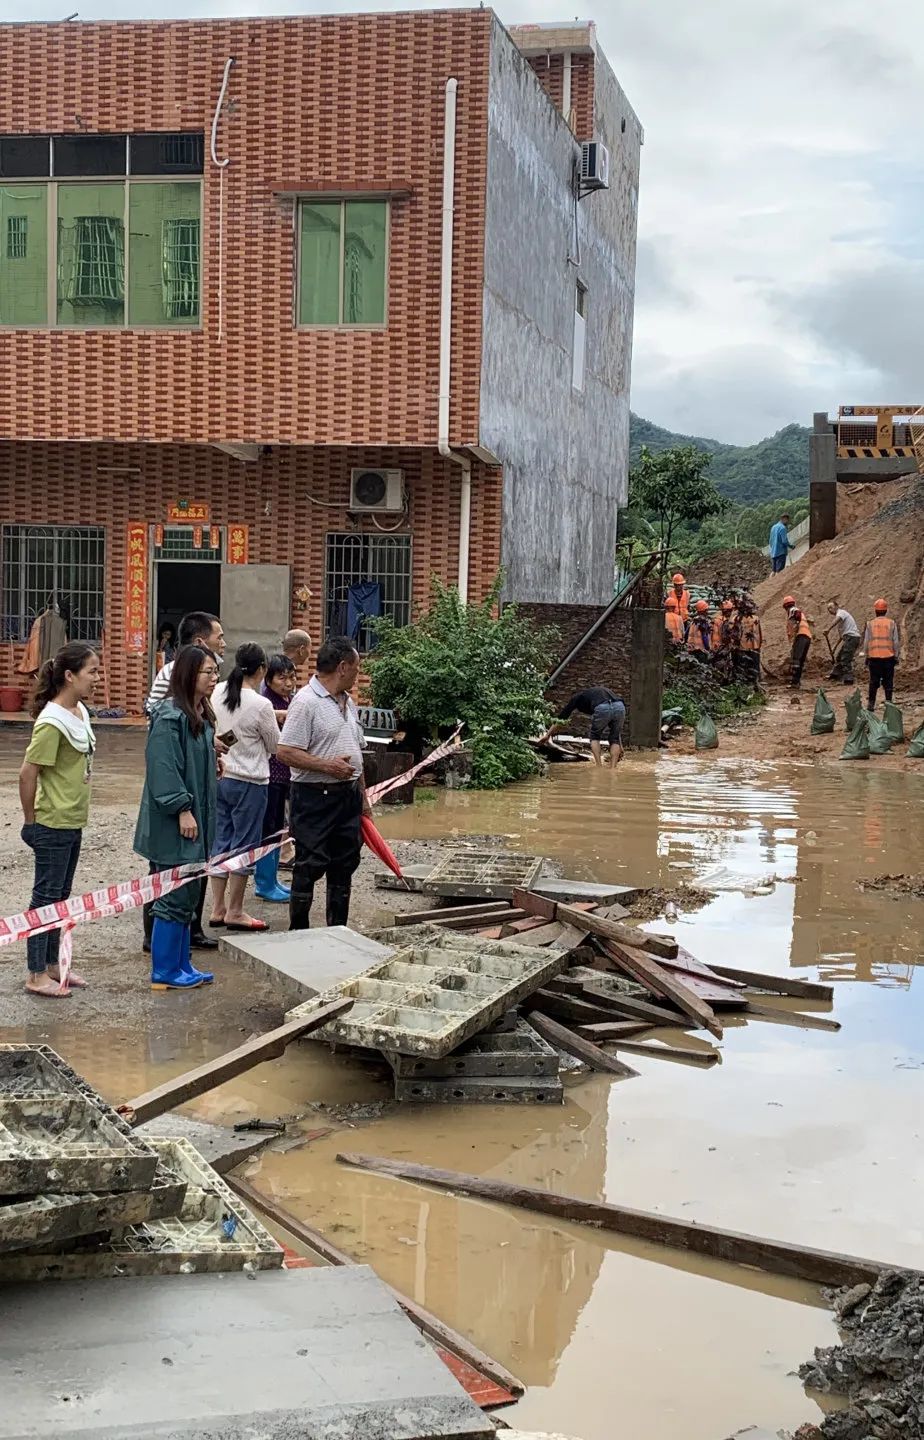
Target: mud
{"points": [[879, 1366], [679, 899], [800, 1135], [895, 885]]}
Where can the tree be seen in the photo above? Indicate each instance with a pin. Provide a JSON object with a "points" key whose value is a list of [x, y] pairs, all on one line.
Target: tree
{"points": [[469, 663], [673, 487]]}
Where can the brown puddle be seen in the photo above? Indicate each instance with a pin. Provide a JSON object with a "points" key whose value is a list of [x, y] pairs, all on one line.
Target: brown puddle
{"points": [[799, 1135]]}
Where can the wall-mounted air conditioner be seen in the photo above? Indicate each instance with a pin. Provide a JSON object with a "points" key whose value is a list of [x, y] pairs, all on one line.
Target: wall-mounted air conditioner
{"points": [[377, 490], [595, 166]]}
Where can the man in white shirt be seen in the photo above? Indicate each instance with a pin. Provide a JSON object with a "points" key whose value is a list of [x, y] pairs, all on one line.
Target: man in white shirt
{"points": [[849, 634], [197, 628], [322, 742]]}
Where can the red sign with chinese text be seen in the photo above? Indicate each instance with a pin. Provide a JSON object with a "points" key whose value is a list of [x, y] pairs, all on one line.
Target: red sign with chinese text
{"points": [[197, 537], [188, 512], [158, 535], [136, 590], [214, 537], [238, 544]]}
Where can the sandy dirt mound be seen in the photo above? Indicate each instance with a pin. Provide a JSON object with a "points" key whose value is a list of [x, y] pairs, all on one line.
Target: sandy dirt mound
{"points": [[730, 570], [883, 555]]}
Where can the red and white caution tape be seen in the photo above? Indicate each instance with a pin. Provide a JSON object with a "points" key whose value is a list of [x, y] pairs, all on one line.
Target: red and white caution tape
{"points": [[375, 792]]}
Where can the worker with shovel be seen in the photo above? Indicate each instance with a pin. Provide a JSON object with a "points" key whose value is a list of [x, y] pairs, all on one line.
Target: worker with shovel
{"points": [[848, 644], [799, 635]]}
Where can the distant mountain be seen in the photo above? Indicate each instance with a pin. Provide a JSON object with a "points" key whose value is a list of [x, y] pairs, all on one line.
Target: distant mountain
{"points": [[773, 469]]}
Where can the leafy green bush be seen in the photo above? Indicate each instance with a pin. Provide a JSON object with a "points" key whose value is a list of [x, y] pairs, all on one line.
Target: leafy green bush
{"points": [[696, 690], [468, 663]]}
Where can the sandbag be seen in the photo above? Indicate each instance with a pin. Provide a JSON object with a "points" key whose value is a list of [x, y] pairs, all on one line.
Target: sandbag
{"points": [[880, 741], [857, 747], [824, 718], [916, 748], [892, 719], [707, 736], [853, 705]]}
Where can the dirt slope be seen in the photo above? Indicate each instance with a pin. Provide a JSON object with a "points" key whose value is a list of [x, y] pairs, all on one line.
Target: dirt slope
{"points": [[882, 555]]}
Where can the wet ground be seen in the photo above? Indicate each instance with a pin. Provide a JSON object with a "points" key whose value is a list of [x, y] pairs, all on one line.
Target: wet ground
{"points": [[803, 1135]]}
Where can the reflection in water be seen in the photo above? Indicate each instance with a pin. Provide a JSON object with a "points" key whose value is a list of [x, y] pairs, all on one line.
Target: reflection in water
{"points": [[800, 1135]]}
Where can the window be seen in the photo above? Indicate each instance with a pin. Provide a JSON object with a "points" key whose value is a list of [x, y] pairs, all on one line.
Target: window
{"points": [[98, 251], [353, 561], [580, 337], [53, 565], [342, 262], [24, 156]]}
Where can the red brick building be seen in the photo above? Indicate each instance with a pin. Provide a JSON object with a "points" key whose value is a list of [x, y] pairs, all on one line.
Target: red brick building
{"points": [[248, 266]]}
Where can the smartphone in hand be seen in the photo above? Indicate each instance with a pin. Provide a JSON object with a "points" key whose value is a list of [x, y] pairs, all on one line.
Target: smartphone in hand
{"points": [[229, 738]]}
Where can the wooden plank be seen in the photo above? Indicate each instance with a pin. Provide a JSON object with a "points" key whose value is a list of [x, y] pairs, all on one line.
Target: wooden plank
{"points": [[450, 912], [567, 1008], [522, 927], [612, 1030], [226, 1067], [689, 965], [493, 933], [640, 1009], [648, 972], [547, 934], [791, 1017], [593, 924], [822, 1267], [702, 1058], [574, 1045], [778, 984], [450, 1339], [475, 922]]}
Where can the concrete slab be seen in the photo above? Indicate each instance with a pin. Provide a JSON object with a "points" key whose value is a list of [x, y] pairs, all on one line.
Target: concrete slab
{"points": [[220, 1147], [428, 1000], [322, 1354], [302, 963], [214, 1231], [569, 891], [58, 1136], [415, 875]]}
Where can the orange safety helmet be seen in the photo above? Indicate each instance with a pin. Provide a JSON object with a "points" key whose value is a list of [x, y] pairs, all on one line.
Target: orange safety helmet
{"points": [[788, 600], [881, 606], [701, 607], [678, 579], [671, 602], [727, 606]]}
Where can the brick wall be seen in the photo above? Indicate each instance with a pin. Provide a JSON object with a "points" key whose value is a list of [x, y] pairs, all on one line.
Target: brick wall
{"points": [[550, 71], [314, 101], [617, 656], [290, 499]]}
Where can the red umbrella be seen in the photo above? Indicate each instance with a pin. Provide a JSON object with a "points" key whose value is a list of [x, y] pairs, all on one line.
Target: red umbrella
{"points": [[378, 845]]}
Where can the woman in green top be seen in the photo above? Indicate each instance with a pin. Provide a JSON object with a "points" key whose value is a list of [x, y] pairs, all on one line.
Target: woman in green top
{"points": [[176, 823], [54, 789]]}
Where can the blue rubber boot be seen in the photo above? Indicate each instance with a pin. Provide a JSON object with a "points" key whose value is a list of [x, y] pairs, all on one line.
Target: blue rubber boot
{"points": [[188, 968], [266, 885], [168, 940]]}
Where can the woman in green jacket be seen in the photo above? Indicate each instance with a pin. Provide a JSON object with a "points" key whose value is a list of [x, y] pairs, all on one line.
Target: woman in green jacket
{"points": [[176, 823]]}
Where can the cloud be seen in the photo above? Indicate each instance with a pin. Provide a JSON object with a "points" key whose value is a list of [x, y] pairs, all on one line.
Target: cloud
{"points": [[781, 177]]}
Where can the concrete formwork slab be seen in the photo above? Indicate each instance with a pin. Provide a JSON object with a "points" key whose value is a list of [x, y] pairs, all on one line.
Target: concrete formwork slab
{"points": [[494, 1053], [32, 1221], [482, 1089], [214, 1231], [322, 1354], [487, 874], [302, 963], [574, 890], [220, 1147], [428, 1000], [57, 1136]]}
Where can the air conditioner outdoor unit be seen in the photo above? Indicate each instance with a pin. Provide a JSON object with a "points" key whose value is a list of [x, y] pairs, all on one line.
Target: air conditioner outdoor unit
{"points": [[381, 490], [595, 166]]}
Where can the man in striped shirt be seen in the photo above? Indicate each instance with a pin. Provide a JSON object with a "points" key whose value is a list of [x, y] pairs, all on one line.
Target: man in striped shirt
{"points": [[197, 628]]}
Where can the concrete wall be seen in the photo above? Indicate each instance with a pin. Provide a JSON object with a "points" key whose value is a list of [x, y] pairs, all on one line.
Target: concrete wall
{"points": [[565, 453], [626, 654]]}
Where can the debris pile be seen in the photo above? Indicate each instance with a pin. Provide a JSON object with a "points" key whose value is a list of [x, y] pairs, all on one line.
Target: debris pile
{"points": [[728, 570], [895, 885], [880, 1365], [478, 998]]}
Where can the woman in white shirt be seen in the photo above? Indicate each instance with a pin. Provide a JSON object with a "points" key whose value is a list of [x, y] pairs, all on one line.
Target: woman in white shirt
{"points": [[246, 722]]}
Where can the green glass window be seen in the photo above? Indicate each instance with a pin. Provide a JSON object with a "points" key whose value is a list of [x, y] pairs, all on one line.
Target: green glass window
{"points": [[342, 262], [164, 253], [23, 254], [91, 254]]}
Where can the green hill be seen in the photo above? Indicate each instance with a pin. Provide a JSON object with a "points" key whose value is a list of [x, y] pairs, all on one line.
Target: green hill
{"points": [[773, 469]]}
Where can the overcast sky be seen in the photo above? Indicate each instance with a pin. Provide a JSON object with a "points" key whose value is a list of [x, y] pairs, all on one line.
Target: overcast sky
{"points": [[781, 228]]}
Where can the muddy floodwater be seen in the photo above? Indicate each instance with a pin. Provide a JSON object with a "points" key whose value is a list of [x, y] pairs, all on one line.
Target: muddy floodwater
{"points": [[802, 1135]]}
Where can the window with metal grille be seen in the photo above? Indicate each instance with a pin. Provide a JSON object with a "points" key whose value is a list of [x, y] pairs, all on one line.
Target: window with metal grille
{"points": [[181, 269], [53, 565], [17, 233], [179, 543], [95, 261], [354, 559]]}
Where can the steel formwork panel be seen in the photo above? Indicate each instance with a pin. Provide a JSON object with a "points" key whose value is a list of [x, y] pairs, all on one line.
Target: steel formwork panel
{"points": [[58, 1136], [494, 1053], [213, 1231], [50, 1221], [428, 1000], [494, 874]]}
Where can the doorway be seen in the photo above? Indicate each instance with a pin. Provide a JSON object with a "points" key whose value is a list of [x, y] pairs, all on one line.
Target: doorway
{"points": [[187, 576]]}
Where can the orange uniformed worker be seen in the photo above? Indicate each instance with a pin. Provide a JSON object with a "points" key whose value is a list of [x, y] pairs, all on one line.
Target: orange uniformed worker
{"points": [[699, 633], [749, 644], [799, 631], [721, 627], [682, 596], [672, 622], [882, 650]]}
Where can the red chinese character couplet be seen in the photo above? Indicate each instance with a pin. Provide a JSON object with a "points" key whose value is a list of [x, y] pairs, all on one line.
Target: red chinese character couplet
{"points": [[136, 589], [238, 544]]}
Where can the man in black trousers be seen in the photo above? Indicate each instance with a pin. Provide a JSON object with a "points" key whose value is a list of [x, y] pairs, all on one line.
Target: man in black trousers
{"points": [[322, 743]]}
